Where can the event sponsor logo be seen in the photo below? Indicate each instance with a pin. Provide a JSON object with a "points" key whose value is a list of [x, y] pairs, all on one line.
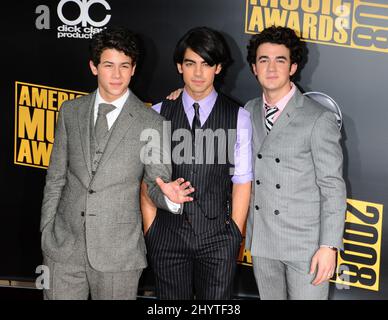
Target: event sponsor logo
{"points": [[80, 18], [358, 265], [358, 24], [36, 112]]}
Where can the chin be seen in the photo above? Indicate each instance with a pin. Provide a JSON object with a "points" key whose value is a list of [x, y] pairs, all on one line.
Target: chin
{"points": [[117, 92]]}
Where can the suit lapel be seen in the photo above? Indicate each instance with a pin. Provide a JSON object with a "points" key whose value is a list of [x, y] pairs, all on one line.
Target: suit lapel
{"points": [[290, 111], [122, 124], [259, 133], [84, 118]]}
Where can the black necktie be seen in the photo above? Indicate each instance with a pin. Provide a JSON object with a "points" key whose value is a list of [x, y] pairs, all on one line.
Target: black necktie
{"points": [[101, 126], [270, 113], [196, 120]]}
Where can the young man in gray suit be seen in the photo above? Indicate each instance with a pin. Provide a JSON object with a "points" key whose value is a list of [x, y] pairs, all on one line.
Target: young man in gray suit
{"points": [[298, 200], [92, 237]]}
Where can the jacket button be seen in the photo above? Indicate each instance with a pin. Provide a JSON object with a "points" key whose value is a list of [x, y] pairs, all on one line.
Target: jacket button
{"points": [[278, 186], [257, 182], [276, 212], [91, 191], [82, 213], [257, 207], [259, 156], [277, 160]]}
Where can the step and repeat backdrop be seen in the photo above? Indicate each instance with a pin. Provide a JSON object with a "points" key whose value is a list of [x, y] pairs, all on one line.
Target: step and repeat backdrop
{"points": [[45, 62]]}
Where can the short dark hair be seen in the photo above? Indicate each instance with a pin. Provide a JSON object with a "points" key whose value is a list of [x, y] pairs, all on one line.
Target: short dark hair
{"points": [[207, 43], [118, 38], [278, 35]]}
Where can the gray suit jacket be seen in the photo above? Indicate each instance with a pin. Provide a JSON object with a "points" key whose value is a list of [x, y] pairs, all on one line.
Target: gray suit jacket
{"points": [[108, 202], [298, 199]]}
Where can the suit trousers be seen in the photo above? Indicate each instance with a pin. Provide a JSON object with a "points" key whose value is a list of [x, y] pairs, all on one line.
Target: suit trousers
{"points": [[282, 280], [188, 265], [76, 278]]}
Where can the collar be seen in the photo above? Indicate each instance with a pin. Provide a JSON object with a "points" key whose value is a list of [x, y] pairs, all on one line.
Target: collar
{"points": [[118, 103], [281, 104]]}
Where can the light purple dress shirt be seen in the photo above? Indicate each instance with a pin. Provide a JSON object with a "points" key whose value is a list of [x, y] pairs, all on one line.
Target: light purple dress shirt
{"points": [[243, 146]]}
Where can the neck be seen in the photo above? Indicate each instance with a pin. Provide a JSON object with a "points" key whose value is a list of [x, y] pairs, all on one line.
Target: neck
{"points": [[109, 98], [273, 96], [197, 96]]}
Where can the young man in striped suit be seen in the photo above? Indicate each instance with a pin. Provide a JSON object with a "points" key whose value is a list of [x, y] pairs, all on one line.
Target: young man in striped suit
{"points": [[194, 254]]}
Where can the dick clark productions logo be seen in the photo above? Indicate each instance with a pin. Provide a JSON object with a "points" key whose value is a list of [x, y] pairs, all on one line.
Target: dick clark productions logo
{"points": [[79, 24]]}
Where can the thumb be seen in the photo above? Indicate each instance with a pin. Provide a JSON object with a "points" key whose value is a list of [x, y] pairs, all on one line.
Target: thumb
{"points": [[159, 182], [313, 266]]}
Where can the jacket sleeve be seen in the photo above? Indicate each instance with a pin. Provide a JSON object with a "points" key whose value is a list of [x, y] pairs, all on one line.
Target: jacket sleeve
{"points": [[156, 157], [56, 172], [328, 161]]}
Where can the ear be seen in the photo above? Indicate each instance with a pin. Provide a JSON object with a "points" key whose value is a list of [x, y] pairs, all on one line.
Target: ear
{"points": [[254, 69], [218, 68], [293, 69], [133, 70], [179, 67], [93, 67]]}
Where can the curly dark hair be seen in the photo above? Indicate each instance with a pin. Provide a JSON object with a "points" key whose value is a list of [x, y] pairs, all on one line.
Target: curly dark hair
{"points": [[118, 38], [278, 35], [207, 43]]}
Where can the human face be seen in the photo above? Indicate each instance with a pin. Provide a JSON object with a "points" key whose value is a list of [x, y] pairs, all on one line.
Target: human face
{"points": [[198, 76], [273, 69], [113, 73]]}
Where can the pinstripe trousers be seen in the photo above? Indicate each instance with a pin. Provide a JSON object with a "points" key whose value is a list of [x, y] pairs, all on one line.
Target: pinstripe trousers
{"points": [[188, 265]]}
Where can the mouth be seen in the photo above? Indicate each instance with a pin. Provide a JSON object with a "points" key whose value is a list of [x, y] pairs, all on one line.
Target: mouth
{"points": [[198, 82]]}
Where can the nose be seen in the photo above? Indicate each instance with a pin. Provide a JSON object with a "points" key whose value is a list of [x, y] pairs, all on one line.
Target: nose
{"points": [[116, 72], [198, 70], [272, 65]]}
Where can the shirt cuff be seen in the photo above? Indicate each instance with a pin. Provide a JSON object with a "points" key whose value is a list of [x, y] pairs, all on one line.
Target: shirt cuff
{"points": [[326, 246], [172, 206], [241, 179]]}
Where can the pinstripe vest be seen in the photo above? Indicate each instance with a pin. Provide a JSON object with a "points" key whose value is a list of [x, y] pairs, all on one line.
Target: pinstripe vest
{"points": [[211, 178]]}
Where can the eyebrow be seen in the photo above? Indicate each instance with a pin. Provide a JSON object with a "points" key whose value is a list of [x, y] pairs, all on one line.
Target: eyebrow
{"points": [[121, 63], [189, 60], [277, 57]]}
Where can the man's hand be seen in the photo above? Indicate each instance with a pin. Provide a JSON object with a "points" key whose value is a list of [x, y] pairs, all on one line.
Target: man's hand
{"points": [[324, 259], [174, 95], [177, 191]]}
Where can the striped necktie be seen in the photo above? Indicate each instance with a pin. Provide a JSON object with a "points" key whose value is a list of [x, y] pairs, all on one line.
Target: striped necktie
{"points": [[270, 113]]}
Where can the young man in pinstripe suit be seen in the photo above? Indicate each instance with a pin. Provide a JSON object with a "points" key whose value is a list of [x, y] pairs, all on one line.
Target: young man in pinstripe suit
{"points": [[194, 254]]}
